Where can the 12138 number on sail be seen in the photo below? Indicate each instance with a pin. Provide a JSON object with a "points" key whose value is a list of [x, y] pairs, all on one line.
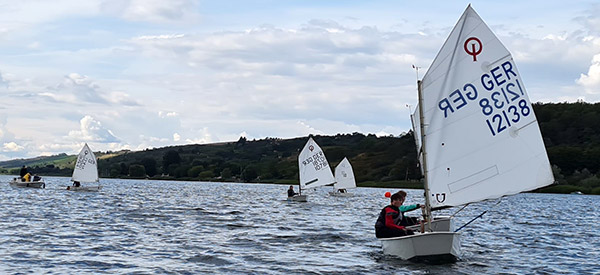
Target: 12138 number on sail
{"points": [[512, 115]]}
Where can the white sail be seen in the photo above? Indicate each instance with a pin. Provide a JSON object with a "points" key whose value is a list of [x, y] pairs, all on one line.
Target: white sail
{"points": [[482, 139], [314, 168], [86, 168], [344, 176], [416, 123]]}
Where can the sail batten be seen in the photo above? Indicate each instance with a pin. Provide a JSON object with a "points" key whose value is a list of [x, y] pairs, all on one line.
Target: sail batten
{"points": [[480, 134]]}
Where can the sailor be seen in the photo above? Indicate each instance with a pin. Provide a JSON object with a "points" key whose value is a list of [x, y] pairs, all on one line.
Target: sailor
{"points": [[408, 221], [389, 218], [76, 184], [23, 172], [291, 191]]}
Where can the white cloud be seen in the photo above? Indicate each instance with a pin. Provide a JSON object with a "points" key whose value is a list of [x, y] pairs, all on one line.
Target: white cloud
{"points": [[121, 98], [201, 137], [12, 147], [92, 130], [163, 114], [5, 134], [160, 37], [77, 86], [591, 80], [153, 10], [144, 70]]}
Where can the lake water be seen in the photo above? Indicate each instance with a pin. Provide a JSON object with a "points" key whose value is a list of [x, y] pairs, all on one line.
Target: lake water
{"points": [[141, 227]]}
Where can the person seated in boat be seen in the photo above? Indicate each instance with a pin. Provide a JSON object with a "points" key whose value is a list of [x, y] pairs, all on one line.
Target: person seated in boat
{"points": [[408, 221], [23, 172], [342, 190], [291, 192], [27, 177], [387, 225], [76, 184]]}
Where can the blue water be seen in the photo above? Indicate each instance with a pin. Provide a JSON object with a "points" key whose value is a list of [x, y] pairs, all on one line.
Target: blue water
{"points": [[140, 227]]}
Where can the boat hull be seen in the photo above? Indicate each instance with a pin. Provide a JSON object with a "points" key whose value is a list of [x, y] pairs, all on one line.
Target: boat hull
{"points": [[300, 198], [85, 188], [423, 246], [27, 184], [439, 224]]}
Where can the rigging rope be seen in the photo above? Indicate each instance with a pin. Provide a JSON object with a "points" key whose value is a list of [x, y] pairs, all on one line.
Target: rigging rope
{"points": [[478, 216], [452, 216]]}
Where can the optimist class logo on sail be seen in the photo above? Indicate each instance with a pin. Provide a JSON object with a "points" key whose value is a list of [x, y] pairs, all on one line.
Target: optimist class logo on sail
{"points": [[497, 92], [317, 159], [475, 47]]}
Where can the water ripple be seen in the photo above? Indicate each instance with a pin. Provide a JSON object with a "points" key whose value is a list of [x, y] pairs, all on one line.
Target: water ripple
{"points": [[142, 227]]}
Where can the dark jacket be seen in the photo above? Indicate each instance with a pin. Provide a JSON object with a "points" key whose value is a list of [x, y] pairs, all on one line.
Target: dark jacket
{"points": [[390, 216], [23, 171]]}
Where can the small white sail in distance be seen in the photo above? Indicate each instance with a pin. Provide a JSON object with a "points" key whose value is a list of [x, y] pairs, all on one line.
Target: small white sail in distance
{"points": [[313, 166], [482, 137], [344, 176], [86, 167]]}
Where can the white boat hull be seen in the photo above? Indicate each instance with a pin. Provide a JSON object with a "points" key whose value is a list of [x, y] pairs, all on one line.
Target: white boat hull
{"points": [[439, 224], [300, 198], [85, 188], [338, 194], [30, 184], [428, 245]]}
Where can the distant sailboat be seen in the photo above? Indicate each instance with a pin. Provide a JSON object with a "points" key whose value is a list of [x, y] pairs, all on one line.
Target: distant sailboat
{"points": [[314, 169], [477, 135], [85, 171], [344, 179]]}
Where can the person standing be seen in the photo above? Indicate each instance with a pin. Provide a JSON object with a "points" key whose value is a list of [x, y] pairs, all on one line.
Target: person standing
{"points": [[23, 172], [387, 225]]}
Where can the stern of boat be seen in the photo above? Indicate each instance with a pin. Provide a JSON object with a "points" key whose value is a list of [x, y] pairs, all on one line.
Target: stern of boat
{"points": [[423, 245], [299, 198]]}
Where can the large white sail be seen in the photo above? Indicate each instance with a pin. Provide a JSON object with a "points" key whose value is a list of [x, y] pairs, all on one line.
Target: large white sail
{"points": [[482, 139], [344, 176], [86, 168], [314, 168]]}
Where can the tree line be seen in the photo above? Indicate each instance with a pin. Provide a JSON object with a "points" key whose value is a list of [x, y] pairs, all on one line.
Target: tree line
{"points": [[571, 133]]}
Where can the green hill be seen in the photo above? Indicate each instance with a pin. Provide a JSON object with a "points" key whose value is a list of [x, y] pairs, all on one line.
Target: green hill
{"points": [[270, 160], [571, 133]]}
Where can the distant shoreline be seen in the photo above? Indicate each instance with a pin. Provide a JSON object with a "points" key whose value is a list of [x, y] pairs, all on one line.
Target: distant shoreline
{"points": [[553, 189]]}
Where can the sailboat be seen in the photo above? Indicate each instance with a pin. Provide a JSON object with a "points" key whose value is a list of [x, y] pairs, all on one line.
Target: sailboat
{"points": [[344, 179], [477, 134], [85, 171], [314, 169]]}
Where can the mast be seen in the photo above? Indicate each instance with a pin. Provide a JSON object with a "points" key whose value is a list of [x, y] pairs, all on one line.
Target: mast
{"points": [[427, 211]]}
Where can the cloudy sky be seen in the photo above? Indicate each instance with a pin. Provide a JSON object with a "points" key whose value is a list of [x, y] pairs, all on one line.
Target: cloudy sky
{"points": [[136, 74]]}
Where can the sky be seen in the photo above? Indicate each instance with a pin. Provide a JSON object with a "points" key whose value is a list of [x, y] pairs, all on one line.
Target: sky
{"points": [[137, 74]]}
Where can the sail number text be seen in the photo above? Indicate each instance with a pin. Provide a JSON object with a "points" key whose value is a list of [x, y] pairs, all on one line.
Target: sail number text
{"points": [[318, 160], [503, 102], [83, 160]]}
